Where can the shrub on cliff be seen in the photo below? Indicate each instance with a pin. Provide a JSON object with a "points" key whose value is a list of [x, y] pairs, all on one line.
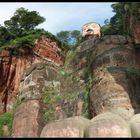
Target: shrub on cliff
{"points": [[6, 119], [20, 30], [4, 35], [120, 22]]}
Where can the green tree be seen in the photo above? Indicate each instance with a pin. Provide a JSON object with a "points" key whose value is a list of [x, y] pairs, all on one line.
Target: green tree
{"points": [[69, 37], [120, 22], [117, 21], [76, 35], [4, 35], [23, 20], [106, 22], [134, 8], [107, 28], [64, 36]]}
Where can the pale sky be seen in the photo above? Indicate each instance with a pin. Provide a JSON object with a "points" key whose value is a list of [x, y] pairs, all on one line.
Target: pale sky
{"points": [[61, 16]]}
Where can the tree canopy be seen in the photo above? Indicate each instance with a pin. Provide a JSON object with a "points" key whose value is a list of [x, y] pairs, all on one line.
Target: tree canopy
{"points": [[20, 29], [119, 23], [70, 38], [23, 20], [115, 25]]}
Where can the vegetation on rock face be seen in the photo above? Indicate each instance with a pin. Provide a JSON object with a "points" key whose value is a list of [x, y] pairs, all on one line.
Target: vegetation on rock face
{"points": [[59, 104], [119, 23], [133, 71], [21, 32], [51, 98], [72, 69], [86, 106], [6, 119], [20, 24], [25, 35]]}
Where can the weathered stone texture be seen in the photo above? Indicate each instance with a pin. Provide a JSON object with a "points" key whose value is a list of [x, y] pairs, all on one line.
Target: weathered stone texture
{"points": [[110, 90], [26, 121], [49, 50], [113, 86], [135, 125], [12, 68], [35, 81], [70, 127], [108, 125]]}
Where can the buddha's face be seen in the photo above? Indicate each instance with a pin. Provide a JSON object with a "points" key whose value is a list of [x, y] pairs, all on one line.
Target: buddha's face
{"points": [[91, 29]]}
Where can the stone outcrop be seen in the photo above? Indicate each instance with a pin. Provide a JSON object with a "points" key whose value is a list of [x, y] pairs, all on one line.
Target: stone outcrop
{"points": [[113, 85], [27, 119], [58, 91], [12, 67], [70, 127], [100, 80], [135, 125], [61, 95], [63, 92], [108, 125], [11, 70], [36, 80], [48, 49]]}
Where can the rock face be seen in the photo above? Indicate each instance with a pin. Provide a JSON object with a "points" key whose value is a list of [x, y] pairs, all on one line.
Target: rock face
{"points": [[99, 80], [113, 85], [108, 125], [60, 95], [135, 125], [64, 92], [49, 50], [70, 127], [12, 68], [26, 121], [35, 80], [5, 131]]}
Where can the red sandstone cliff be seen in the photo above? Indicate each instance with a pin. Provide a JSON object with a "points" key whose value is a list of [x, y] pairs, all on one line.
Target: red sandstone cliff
{"points": [[12, 68]]}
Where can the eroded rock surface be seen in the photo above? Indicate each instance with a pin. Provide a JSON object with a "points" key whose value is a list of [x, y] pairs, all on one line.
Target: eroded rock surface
{"points": [[11, 70], [108, 125], [49, 50], [113, 85], [135, 125], [70, 127], [99, 80], [27, 119], [13, 66], [100, 68]]}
